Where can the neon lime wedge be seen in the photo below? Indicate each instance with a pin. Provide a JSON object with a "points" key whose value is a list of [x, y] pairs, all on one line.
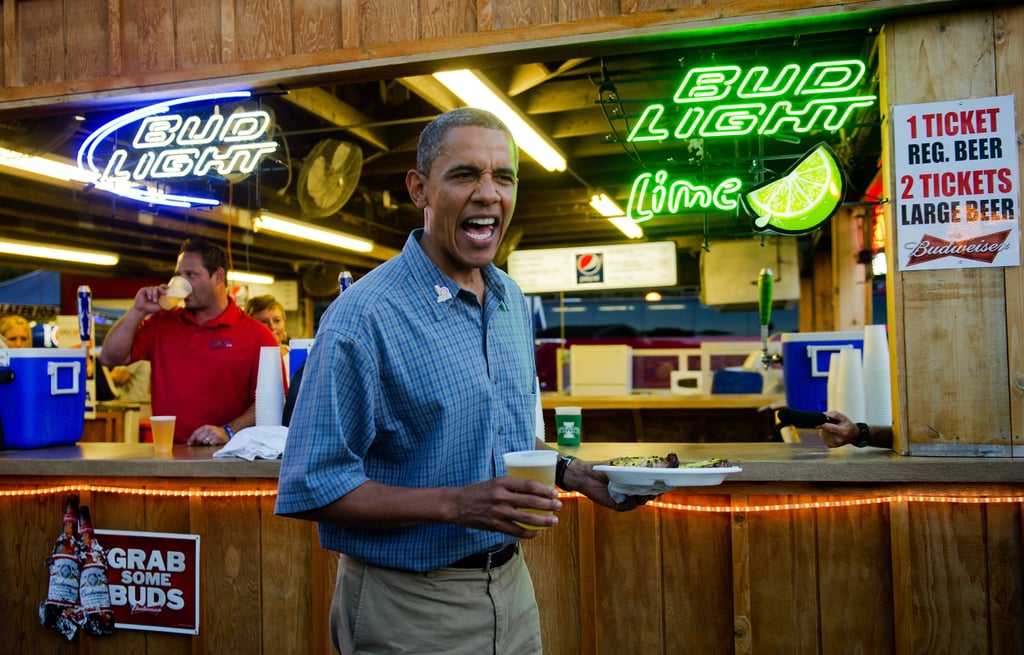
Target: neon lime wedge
{"points": [[799, 202]]}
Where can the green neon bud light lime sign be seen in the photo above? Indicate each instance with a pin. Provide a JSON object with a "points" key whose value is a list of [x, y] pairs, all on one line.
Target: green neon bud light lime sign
{"points": [[728, 101]]}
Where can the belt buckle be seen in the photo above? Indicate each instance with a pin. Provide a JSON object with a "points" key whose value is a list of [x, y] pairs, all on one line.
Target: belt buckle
{"points": [[488, 564]]}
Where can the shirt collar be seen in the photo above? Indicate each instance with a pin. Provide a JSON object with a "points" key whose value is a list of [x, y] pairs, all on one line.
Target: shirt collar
{"points": [[440, 289], [229, 316]]}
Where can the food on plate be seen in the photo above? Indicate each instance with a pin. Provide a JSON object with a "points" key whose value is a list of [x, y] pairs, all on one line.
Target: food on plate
{"points": [[670, 461], [712, 463], [653, 461]]}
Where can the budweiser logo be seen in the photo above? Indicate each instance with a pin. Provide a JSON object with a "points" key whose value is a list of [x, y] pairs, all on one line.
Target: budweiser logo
{"points": [[145, 609], [979, 249]]}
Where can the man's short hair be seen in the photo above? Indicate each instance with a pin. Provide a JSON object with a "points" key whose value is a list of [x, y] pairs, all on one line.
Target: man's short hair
{"points": [[212, 255], [432, 138]]}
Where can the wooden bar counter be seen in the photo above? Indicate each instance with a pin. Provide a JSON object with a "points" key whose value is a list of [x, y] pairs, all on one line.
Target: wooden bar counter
{"points": [[806, 550]]}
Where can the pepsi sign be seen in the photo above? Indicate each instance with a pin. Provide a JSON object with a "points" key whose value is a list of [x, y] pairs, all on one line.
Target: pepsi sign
{"points": [[589, 268]]}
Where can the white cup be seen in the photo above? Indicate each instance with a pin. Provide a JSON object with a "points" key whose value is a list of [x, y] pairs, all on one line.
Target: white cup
{"points": [[178, 289], [536, 465], [163, 433], [269, 387]]}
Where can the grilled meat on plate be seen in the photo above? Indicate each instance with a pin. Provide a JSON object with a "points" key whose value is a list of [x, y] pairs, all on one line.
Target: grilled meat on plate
{"points": [[670, 461], [653, 461]]}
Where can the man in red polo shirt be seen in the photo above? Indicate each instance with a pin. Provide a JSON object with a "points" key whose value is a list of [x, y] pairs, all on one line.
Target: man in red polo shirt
{"points": [[204, 356]]}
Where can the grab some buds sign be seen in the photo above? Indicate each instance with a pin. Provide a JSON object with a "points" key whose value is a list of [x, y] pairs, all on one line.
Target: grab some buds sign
{"points": [[153, 579], [957, 194]]}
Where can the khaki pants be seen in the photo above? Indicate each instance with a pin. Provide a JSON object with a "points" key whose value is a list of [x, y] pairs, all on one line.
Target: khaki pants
{"points": [[377, 610]]}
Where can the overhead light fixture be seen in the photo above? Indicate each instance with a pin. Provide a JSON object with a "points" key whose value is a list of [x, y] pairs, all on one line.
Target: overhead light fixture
{"points": [[477, 92], [45, 167], [306, 232], [608, 208], [76, 255], [57, 170], [251, 278]]}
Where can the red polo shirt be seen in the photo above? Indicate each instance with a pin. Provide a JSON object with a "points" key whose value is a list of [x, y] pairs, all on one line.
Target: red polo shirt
{"points": [[203, 374]]}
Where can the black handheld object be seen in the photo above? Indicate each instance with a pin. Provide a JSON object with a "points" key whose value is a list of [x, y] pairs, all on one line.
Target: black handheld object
{"points": [[803, 419]]}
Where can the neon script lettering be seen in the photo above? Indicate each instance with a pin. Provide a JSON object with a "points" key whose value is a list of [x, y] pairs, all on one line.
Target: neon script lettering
{"points": [[656, 193], [170, 146], [726, 101], [174, 146]]}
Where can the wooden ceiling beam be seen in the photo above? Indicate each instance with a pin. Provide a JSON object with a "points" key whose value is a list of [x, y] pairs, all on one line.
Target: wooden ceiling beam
{"points": [[527, 76], [336, 112], [430, 89]]}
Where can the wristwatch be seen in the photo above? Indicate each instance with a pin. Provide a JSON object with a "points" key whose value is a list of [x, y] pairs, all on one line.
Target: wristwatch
{"points": [[863, 438], [560, 469]]}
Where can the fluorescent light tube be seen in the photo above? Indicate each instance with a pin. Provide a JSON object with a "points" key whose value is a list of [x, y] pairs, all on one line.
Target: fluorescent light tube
{"points": [[251, 278], [477, 92], [306, 232], [27, 249], [608, 208], [56, 170], [45, 167]]}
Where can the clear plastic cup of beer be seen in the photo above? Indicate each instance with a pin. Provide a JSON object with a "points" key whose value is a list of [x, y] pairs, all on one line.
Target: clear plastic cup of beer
{"points": [[536, 465]]}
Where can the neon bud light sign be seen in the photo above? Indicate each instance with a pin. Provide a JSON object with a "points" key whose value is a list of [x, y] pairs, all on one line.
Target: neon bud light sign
{"points": [[167, 145], [729, 101]]}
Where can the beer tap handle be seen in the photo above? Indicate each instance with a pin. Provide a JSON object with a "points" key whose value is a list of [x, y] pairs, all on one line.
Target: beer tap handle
{"points": [[765, 284]]}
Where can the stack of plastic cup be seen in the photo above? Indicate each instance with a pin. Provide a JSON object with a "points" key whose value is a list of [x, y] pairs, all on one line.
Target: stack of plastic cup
{"points": [[833, 381], [269, 387], [877, 383], [849, 392]]}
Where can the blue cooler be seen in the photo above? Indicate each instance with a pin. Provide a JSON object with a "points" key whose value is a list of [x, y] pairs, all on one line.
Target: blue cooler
{"points": [[805, 360], [44, 404], [298, 352]]}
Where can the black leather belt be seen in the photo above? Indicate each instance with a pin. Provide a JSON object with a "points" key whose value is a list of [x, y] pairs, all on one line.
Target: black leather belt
{"points": [[487, 560]]}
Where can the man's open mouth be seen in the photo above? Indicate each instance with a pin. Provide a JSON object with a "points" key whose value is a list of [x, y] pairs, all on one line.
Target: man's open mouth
{"points": [[480, 229]]}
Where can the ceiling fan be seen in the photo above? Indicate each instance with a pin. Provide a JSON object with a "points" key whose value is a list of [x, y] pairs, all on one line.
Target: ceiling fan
{"points": [[321, 279], [328, 177]]}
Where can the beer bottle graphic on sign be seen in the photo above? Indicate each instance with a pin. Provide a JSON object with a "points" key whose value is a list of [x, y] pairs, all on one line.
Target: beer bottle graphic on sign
{"points": [[58, 610], [93, 594]]}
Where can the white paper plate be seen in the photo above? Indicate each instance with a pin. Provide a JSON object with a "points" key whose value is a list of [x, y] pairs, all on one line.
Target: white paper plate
{"points": [[679, 477]]}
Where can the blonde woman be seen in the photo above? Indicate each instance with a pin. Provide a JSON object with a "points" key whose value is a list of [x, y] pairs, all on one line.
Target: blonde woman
{"points": [[16, 331], [270, 312]]}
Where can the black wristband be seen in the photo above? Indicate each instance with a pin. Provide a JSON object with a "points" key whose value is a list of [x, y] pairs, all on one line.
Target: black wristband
{"points": [[863, 439], [560, 468]]}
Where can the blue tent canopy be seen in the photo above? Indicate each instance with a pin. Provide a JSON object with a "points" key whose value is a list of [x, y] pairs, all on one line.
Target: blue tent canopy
{"points": [[35, 288], [35, 295]]}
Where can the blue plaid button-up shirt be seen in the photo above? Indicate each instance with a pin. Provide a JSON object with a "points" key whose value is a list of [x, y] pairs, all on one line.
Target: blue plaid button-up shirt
{"points": [[410, 383]]}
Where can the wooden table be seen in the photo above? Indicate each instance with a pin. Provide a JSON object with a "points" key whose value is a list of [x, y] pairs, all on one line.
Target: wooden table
{"points": [[115, 421], [697, 418]]}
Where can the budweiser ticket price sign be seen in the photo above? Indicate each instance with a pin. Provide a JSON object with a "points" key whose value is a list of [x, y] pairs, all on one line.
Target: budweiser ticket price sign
{"points": [[957, 193]]}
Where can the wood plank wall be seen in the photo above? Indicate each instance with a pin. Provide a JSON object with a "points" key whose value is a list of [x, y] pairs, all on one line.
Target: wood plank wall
{"points": [[954, 329], [53, 49], [265, 584], [885, 577]]}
